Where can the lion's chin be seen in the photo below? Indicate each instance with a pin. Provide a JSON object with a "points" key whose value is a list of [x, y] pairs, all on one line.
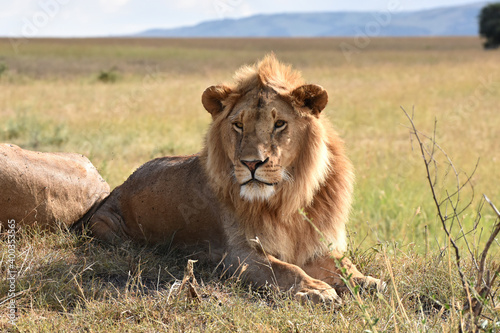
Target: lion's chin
{"points": [[256, 191]]}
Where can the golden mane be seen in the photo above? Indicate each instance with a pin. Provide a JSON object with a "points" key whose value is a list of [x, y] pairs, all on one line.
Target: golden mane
{"points": [[269, 72], [323, 178]]}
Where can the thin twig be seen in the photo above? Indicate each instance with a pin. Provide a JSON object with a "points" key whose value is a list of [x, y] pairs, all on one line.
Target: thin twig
{"points": [[436, 202], [493, 235], [449, 211]]}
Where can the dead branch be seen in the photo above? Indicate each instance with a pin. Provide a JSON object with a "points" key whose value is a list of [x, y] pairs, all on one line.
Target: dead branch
{"points": [[476, 297], [443, 218], [189, 282], [493, 235]]}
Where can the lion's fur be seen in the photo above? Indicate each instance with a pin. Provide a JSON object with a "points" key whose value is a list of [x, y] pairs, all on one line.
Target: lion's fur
{"points": [[205, 198], [324, 178], [268, 72], [46, 188]]}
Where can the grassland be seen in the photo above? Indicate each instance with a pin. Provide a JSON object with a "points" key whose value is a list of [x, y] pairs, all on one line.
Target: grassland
{"points": [[51, 99]]}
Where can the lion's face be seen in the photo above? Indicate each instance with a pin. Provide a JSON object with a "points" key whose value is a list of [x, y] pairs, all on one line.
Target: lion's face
{"points": [[262, 134]]}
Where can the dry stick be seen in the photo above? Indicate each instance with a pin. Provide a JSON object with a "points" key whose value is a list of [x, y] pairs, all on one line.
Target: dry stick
{"points": [[190, 282], [443, 219], [492, 206], [436, 202], [474, 304], [460, 187], [493, 235], [489, 242]]}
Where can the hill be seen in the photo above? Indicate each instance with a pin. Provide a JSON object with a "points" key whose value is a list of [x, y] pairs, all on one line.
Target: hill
{"points": [[446, 21]]}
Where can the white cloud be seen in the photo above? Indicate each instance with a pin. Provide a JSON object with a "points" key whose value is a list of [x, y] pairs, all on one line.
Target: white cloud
{"points": [[190, 4], [112, 5], [246, 10], [232, 8]]}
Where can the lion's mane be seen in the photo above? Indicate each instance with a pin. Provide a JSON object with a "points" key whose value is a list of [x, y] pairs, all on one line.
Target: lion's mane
{"points": [[321, 177]]}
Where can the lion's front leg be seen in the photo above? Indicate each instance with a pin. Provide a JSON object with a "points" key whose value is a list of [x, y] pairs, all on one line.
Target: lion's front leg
{"points": [[328, 269], [264, 269]]}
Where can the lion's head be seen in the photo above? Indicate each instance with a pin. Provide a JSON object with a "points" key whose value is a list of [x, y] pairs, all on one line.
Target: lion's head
{"points": [[267, 142]]}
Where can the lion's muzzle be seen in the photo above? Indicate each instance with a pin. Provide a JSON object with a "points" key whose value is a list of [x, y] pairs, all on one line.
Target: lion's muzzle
{"points": [[257, 178]]}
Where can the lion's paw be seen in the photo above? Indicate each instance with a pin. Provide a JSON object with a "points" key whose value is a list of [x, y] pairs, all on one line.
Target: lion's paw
{"points": [[323, 294], [367, 284], [372, 284]]}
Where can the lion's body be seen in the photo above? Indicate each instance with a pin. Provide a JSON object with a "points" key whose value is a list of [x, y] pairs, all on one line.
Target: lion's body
{"points": [[171, 199], [165, 199], [268, 154], [44, 188]]}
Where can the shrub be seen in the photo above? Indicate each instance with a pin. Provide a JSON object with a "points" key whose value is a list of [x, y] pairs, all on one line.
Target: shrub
{"points": [[3, 68], [108, 76]]}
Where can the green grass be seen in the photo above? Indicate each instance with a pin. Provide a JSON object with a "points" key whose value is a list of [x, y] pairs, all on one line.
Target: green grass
{"points": [[51, 99]]}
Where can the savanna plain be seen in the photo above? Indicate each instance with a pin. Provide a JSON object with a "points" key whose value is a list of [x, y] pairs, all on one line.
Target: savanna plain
{"points": [[122, 102]]}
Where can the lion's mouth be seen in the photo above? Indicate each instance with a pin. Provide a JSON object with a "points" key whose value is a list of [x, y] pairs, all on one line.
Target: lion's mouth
{"points": [[255, 189], [257, 182]]}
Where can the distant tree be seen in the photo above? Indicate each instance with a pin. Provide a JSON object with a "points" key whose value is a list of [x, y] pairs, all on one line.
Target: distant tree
{"points": [[489, 25]]}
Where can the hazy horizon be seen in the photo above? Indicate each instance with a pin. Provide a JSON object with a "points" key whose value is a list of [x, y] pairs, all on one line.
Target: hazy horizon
{"points": [[101, 18]]}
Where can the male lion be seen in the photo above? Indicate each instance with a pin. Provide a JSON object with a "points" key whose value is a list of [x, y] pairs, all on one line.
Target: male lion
{"points": [[268, 154]]}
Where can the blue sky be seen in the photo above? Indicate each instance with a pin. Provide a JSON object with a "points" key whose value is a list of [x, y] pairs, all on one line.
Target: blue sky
{"points": [[79, 18]]}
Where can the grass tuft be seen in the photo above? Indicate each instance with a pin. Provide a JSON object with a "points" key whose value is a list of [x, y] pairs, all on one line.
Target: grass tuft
{"points": [[3, 68], [108, 76]]}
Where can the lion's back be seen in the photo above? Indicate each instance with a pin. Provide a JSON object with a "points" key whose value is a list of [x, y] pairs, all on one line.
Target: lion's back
{"points": [[166, 199]]}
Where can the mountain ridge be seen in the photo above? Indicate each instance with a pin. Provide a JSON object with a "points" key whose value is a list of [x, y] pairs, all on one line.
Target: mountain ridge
{"points": [[459, 20]]}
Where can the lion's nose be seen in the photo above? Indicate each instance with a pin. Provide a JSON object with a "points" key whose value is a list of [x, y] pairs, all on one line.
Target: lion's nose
{"points": [[253, 165]]}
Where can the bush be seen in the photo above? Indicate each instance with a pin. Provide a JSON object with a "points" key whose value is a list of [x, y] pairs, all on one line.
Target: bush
{"points": [[489, 25], [3, 68], [108, 76]]}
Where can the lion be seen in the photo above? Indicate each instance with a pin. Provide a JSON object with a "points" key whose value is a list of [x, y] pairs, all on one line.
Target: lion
{"points": [[269, 158], [46, 188]]}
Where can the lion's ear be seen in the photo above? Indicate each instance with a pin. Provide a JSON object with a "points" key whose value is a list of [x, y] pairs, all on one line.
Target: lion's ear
{"points": [[311, 96], [212, 98]]}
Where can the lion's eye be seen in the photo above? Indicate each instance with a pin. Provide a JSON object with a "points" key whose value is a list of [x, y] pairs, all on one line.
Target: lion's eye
{"points": [[238, 126], [279, 124]]}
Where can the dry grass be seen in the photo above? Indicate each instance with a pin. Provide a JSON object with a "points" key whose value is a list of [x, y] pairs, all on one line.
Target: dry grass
{"points": [[51, 100], [70, 283]]}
